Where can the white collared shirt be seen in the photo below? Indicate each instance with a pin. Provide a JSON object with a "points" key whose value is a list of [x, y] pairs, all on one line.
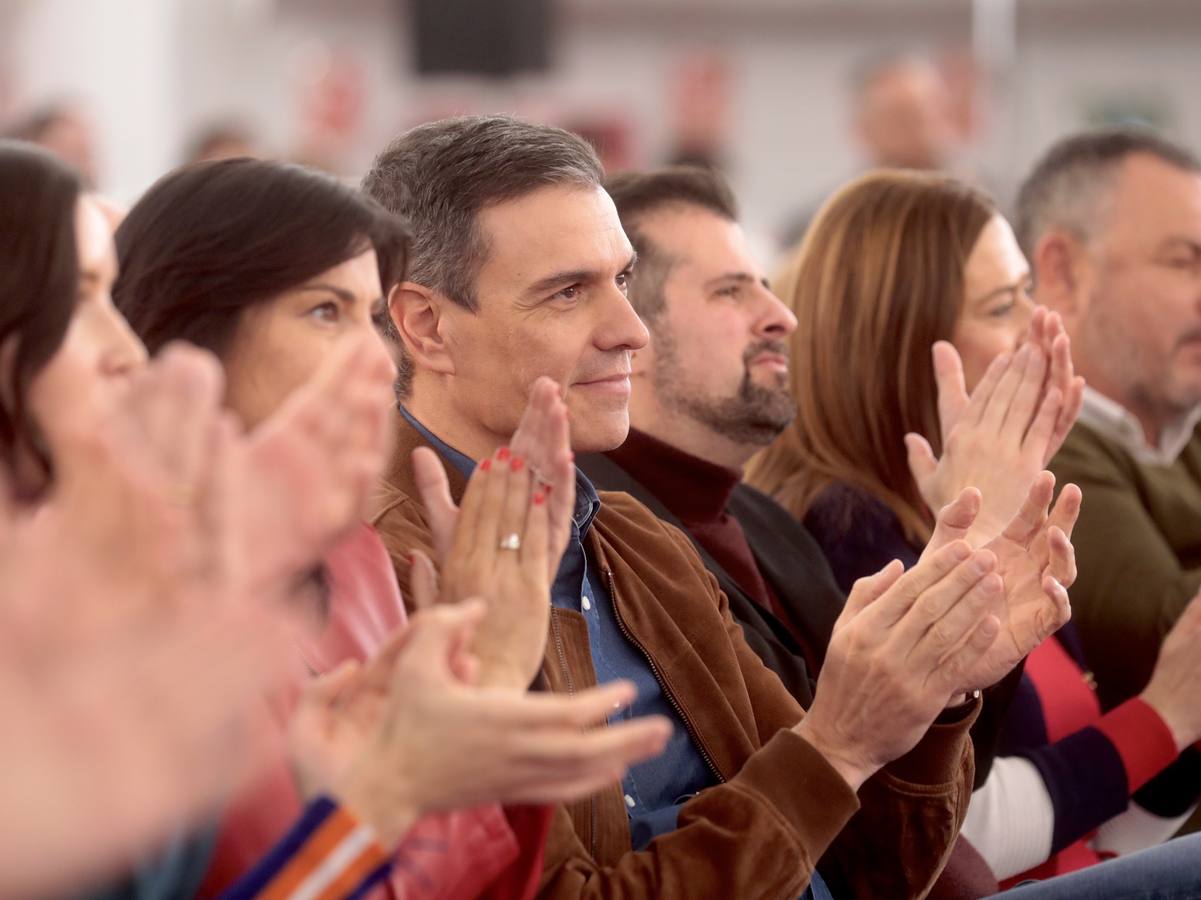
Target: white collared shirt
{"points": [[1112, 420]]}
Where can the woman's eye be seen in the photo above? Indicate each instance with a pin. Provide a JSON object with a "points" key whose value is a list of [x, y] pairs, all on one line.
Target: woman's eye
{"points": [[1000, 312], [325, 312]]}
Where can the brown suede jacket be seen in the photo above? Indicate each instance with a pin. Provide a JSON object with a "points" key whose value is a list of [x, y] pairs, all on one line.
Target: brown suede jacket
{"points": [[778, 807]]}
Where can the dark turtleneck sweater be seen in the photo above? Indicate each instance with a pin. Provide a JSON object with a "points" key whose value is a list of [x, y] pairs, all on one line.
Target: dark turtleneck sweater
{"points": [[698, 493]]}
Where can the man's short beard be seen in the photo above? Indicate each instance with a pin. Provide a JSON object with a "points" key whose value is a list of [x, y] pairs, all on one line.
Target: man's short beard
{"points": [[753, 416]]}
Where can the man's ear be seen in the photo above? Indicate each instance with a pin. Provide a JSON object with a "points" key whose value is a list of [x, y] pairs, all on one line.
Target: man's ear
{"points": [[417, 314], [1059, 268]]}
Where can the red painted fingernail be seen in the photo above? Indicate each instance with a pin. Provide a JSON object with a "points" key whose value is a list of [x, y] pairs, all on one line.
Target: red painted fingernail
{"points": [[539, 498], [502, 454], [486, 465], [517, 464]]}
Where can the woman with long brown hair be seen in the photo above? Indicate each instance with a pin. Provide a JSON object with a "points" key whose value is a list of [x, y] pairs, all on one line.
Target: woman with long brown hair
{"points": [[910, 291]]}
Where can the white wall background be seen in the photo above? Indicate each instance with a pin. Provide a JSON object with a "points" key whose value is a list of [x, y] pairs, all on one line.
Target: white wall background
{"points": [[154, 70]]}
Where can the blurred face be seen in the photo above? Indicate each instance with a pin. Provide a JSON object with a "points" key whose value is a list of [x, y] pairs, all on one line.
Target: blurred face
{"points": [[1141, 291], [905, 118], [719, 354], [552, 301], [89, 372], [279, 345], [997, 304], [69, 137]]}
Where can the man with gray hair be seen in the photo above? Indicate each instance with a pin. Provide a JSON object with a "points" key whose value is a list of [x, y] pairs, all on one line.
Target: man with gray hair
{"points": [[1111, 223], [519, 279]]}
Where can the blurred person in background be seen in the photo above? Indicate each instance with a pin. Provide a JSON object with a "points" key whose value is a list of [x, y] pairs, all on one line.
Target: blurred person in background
{"points": [[275, 292], [896, 264], [901, 118], [66, 130], [221, 140], [902, 114], [1111, 222]]}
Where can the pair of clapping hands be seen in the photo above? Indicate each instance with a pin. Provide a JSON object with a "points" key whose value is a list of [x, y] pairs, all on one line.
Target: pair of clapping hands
{"points": [[991, 583], [442, 719]]}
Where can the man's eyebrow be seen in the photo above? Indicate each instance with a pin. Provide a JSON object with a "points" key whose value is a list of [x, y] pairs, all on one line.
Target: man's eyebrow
{"points": [[740, 277], [569, 276]]}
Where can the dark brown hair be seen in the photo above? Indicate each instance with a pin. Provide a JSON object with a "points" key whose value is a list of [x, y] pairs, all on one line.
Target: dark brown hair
{"points": [[209, 240], [637, 194], [878, 279], [39, 284]]}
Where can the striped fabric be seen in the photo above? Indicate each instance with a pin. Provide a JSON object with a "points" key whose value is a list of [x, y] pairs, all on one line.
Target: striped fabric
{"points": [[328, 855]]}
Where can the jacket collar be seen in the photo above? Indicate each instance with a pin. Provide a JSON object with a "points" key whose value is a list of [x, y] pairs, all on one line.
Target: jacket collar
{"points": [[398, 480]]}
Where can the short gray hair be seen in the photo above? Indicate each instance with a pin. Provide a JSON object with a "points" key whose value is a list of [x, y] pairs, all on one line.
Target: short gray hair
{"points": [[1068, 185], [440, 176]]}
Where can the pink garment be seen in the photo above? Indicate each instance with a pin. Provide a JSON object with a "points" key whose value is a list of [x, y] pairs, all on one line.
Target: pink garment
{"points": [[461, 854]]}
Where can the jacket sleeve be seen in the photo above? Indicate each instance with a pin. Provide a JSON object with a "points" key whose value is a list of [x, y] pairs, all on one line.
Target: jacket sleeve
{"points": [[754, 837], [760, 834], [1131, 587], [327, 853], [910, 812], [899, 840], [747, 838]]}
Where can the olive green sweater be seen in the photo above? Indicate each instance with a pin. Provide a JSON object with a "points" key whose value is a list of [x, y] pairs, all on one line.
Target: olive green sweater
{"points": [[1138, 547]]}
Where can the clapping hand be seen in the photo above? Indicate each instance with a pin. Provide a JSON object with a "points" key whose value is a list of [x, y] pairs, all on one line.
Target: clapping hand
{"points": [[315, 462], [1006, 432], [134, 656], [505, 540], [410, 733], [904, 646], [1036, 564]]}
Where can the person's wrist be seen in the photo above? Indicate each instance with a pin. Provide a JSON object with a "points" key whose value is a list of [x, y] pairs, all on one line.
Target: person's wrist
{"points": [[504, 674], [390, 809], [852, 770], [1183, 736]]}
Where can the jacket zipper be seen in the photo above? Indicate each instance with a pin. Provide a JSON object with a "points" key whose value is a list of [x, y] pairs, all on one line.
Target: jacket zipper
{"points": [[554, 623], [688, 723]]}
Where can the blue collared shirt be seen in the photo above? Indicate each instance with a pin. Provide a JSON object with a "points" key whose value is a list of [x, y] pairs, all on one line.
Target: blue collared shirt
{"points": [[654, 790]]}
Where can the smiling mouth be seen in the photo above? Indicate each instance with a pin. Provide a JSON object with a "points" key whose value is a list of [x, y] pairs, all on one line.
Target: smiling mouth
{"points": [[610, 379]]}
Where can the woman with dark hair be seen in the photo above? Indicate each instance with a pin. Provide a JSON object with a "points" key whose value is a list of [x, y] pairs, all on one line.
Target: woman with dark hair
{"points": [[894, 264], [56, 316]]}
